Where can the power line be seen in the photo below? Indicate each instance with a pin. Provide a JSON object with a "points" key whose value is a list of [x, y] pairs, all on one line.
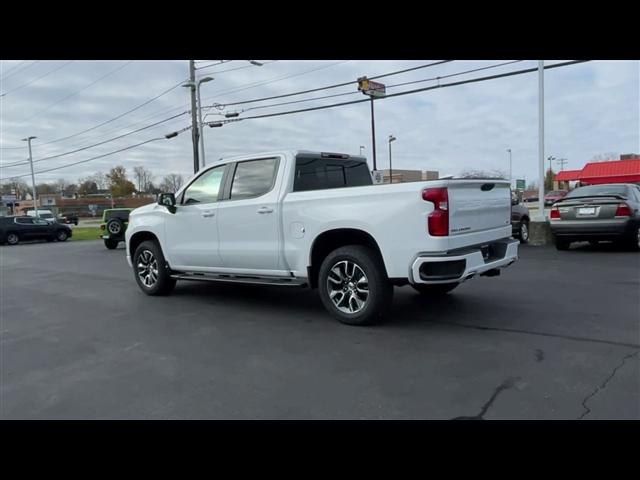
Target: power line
{"points": [[408, 92], [38, 78], [273, 80], [96, 144], [237, 68], [92, 158], [213, 64], [137, 107], [19, 64], [343, 84], [78, 91], [33, 62], [388, 86]]}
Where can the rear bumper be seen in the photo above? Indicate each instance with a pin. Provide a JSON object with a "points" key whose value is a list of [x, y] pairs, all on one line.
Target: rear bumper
{"points": [[463, 264], [592, 228]]}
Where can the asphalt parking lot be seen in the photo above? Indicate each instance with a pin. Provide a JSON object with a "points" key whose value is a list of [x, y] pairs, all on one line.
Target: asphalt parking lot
{"points": [[556, 336]]}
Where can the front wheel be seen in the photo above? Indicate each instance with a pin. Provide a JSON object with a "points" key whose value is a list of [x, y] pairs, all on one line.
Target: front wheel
{"points": [[353, 285], [62, 236], [436, 289], [523, 231], [151, 270], [13, 239]]}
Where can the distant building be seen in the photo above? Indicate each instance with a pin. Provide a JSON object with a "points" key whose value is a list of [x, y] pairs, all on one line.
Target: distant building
{"points": [[617, 171], [403, 176]]}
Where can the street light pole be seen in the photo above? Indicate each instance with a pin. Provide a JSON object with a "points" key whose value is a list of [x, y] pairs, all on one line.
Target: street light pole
{"points": [[33, 178], [510, 167], [196, 86], [391, 139]]}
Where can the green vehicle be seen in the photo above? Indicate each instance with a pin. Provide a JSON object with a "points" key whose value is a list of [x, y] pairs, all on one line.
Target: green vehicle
{"points": [[114, 224]]}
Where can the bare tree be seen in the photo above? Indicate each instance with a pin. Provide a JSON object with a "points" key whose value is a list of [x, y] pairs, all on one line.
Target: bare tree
{"points": [[61, 184], [143, 178], [605, 157], [172, 183]]}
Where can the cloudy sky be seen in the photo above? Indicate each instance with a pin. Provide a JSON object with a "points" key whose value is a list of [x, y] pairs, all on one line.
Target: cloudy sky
{"points": [[590, 109]]}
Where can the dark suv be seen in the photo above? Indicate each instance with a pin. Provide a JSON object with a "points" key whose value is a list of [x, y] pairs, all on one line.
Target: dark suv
{"points": [[16, 229], [114, 224], [519, 219]]}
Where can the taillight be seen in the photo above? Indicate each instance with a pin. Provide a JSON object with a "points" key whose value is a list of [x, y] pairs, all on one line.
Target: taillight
{"points": [[555, 214], [102, 227], [623, 210], [438, 221]]}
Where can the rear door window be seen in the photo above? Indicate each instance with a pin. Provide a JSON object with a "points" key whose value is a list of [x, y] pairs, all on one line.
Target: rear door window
{"points": [[24, 220], [324, 173]]}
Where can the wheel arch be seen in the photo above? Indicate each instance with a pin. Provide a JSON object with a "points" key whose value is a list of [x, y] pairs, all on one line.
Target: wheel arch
{"points": [[329, 240], [139, 237]]}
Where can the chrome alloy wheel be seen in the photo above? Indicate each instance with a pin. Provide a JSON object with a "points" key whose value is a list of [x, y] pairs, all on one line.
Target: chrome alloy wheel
{"points": [[524, 231], [348, 287], [114, 228], [147, 268]]}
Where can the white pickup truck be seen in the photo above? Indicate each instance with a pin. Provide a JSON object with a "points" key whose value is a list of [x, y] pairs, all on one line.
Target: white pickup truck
{"points": [[316, 220]]}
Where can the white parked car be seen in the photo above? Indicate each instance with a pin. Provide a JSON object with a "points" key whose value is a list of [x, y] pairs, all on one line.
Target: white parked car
{"points": [[43, 214], [316, 220]]}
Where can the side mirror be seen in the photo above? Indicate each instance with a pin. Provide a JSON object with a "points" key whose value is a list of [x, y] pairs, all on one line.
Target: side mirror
{"points": [[167, 200]]}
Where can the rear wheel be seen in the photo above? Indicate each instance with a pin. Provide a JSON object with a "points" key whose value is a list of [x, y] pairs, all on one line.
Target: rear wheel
{"points": [[13, 239], [436, 290], [151, 271], [353, 285], [110, 243], [562, 244], [523, 231]]}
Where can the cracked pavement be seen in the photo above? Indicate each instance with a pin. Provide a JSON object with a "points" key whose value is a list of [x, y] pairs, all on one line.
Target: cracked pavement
{"points": [[556, 336]]}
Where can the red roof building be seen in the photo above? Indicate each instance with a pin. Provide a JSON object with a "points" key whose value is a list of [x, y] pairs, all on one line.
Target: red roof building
{"points": [[618, 171]]}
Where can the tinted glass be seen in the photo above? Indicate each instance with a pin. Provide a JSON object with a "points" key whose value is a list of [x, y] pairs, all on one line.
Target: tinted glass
{"points": [[122, 215], [205, 188], [25, 220], [253, 178], [598, 190], [39, 221], [322, 173]]}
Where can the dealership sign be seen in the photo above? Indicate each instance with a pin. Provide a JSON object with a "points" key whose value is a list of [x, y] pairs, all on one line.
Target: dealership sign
{"points": [[371, 88]]}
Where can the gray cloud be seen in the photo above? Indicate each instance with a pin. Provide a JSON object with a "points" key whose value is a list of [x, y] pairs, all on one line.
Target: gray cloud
{"points": [[590, 109]]}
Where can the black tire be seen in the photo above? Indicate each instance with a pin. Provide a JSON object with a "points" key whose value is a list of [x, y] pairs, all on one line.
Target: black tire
{"points": [[523, 231], [61, 236], [562, 244], [634, 239], [435, 290], [163, 284], [111, 244], [115, 227], [370, 270], [12, 238]]}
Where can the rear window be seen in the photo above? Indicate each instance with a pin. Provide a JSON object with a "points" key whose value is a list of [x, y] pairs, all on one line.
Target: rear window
{"points": [[322, 173], [598, 190], [122, 215]]}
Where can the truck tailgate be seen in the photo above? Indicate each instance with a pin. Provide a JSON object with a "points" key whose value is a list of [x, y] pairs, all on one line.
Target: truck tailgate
{"points": [[478, 206]]}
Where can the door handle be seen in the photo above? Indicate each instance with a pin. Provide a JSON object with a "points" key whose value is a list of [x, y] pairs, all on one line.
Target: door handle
{"points": [[265, 210], [208, 213]]}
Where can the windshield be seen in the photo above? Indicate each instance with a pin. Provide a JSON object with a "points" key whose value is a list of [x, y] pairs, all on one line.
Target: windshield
{"points": [[598, 191]]}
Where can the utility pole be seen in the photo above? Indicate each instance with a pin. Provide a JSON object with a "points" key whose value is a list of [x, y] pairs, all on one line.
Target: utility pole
{"points": [[194, 116], [510, 166], [541, 216], [562, 162], [373, 135], [33, 178]]}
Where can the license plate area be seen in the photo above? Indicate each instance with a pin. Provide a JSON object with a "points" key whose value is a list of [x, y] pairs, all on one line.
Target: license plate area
{"points": [[587, 211]]}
